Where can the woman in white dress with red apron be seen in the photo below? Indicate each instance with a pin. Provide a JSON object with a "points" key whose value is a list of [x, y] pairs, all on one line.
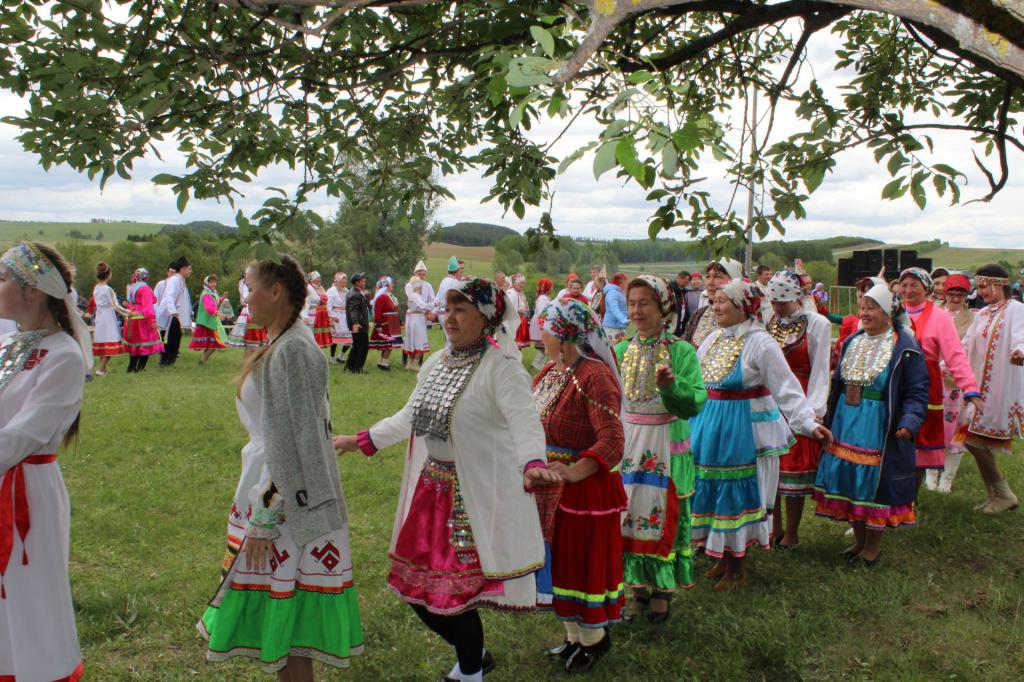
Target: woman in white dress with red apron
{"points": [[42, 376]]}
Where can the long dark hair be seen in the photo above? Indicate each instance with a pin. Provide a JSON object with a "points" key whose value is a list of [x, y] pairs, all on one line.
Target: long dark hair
{"points": [[286, 271], [996, 270], [59, 310]]}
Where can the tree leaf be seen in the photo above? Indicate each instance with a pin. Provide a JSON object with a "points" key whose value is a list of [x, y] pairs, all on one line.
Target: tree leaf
{"points": [[625, 154], [544, 39], [894, 190], [638, 77], [604, 159]]}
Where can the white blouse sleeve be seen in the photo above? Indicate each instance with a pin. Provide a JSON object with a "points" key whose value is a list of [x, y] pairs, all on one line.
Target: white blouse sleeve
{"points": [[819, 346], [765, 360], [398, 427], [511, 390], [47, 410]]}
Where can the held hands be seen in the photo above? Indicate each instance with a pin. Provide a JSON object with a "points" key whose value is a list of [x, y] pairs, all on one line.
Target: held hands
{"points": [[343, 444], [1017, 358], [976, 401], [823, 435], [256, 553], [664, 376], [539, 476], [904, 433], [356, 328]]}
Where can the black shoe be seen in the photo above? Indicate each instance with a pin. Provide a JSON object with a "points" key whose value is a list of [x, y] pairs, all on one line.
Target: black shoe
{"points": [[563, 651], [487, 666], [857, 561], [584, 658]]}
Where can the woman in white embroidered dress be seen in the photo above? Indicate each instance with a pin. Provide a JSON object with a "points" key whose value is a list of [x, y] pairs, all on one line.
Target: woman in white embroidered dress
{"points": [[42, 374], [107, 341], [467, 532]]}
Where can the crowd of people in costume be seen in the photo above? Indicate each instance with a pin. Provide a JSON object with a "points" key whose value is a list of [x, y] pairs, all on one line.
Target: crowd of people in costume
{"points": [[585, 490]]}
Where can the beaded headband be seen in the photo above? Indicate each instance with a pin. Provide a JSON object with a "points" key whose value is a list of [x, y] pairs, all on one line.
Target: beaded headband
{"points": [[998, 281], [32, 268]]}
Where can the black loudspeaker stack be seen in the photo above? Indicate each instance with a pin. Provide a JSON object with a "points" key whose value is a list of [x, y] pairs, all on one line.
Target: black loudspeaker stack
{"points": [[891, 260]]}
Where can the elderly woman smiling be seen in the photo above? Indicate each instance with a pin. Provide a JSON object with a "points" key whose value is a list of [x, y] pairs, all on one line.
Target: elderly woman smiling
{"points": [[467, 531], [878, 403], [740, 433]]}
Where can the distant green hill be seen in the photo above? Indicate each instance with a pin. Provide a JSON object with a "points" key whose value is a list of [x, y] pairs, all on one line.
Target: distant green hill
{"points": [[201, 226], [473, 234], [51, 233]]}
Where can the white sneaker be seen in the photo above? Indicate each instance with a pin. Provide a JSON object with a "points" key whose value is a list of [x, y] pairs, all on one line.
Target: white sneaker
{"points": [[931, 479]]}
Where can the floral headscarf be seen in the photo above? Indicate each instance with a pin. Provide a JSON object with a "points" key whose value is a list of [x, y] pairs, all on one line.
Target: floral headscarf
{"points": [[140, 275], [784, 287], [485, 295], [921, 275], [663, 293], [544, 286], [569, 321], [744, 296], [573, 322], [312, 276]]}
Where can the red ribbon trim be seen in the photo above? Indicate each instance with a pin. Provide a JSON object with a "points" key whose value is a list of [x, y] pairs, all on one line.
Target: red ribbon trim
{"points": [[14, 513]]}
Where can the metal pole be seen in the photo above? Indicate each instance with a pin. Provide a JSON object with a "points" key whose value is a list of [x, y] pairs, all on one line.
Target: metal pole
{"points": [[748, 255]]}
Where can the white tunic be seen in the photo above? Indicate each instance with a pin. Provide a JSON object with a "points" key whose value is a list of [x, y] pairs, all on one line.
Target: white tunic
{"points": [[38, 640], [175, 302], [1001, 384], [158, 308], [538, 307], [415, 340], [107, 328], [7, 326], [336, 308], [312, 301]]}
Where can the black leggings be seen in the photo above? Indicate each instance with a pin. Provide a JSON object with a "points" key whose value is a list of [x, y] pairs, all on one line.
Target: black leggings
{"points": [[465, 632], [137, 363]]}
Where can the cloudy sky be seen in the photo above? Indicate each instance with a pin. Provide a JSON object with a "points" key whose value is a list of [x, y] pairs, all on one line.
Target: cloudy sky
{"points": [[847, 203]]}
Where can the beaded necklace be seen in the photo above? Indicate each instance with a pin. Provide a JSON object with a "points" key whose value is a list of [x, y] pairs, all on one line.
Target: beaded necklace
{"points": [[550, 387], [867, 357], [640, 364], [787, 332], [15, 353], [705, 326], [720, 359], [435, 399]]}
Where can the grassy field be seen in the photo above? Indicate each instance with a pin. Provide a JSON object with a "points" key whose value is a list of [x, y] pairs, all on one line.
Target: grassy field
{"points": [[479, 260], [51, 233], [152, 478]]}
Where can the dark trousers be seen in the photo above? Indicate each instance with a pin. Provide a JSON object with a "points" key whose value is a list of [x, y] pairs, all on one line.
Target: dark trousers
{"points": [[360, 348], [173, 343], [465, 632], [137, 363]]}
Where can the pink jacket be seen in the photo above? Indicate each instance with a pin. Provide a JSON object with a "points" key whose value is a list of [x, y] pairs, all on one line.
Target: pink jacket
{"points": [[939, 341]]}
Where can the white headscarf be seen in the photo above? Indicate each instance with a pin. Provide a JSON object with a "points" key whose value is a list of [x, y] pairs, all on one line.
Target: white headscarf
{"points": [[32, 268]]}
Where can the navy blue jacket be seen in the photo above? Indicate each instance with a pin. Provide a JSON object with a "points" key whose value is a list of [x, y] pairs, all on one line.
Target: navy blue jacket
{"points": [[907, 396]]}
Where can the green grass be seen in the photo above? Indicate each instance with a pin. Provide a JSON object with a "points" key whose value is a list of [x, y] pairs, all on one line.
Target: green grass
{"points": [[158, 460], [51, 233]]}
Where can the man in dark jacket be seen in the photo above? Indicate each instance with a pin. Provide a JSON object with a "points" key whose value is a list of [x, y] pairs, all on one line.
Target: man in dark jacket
{"points": [[357, 311]]}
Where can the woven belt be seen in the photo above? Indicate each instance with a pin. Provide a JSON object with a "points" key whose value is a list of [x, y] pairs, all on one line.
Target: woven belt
{"points": [[745, 394]]}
